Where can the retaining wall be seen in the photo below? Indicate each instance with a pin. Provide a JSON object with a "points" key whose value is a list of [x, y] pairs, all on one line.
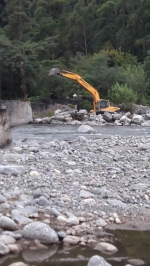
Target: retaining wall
{"points": [[5, 134], [19, 112]]}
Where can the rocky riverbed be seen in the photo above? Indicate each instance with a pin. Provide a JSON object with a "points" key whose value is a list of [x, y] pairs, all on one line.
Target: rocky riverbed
{"points": [[69, 192]]}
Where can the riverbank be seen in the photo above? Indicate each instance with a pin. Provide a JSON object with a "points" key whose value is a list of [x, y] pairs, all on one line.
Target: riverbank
{"points": [[78, 188]]}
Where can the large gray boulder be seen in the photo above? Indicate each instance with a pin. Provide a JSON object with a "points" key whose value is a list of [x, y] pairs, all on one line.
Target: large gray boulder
{"points": [[137, 119], [98, 261], [86, 129], [124, 119], [43, 232], [107, 117]]}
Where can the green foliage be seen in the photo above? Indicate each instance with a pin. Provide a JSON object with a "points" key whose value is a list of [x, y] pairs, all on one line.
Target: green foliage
{"points": [[102, 40], [87, 105], [33, 99], [122, 94], [117, 57], [50, 113]]}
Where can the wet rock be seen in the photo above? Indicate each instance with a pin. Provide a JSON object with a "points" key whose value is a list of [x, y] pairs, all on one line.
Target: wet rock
{"points": [[42, 232], [61, 235], [106, 248], [3, 249], [136, 262], [98, 261], [7, 223], [12, 170]]}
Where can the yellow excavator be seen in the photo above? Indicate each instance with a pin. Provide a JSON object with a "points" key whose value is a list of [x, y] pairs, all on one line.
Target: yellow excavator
{"points": [[99, 105]]}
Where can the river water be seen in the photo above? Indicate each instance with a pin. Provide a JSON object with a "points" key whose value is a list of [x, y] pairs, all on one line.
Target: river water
{"points": [[132, 244], [45, 133]]}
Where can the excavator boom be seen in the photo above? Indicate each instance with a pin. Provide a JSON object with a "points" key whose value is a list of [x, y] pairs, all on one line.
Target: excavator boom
{"points": [[96, 98]]}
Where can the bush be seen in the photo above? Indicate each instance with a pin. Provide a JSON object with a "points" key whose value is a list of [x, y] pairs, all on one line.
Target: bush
{"points": [[122, 94], [87, 105]]}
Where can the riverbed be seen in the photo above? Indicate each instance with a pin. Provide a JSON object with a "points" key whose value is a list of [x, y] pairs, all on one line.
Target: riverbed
{"points": [[130, 244]]}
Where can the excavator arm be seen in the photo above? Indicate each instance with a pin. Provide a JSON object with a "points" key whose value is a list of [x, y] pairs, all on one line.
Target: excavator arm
{"points": [[99, 105], [78, 78]]}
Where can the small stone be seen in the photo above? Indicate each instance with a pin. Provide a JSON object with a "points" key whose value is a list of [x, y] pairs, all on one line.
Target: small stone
{"points": [[3, 249], [34, 173], [61, 219], [101, 222]]}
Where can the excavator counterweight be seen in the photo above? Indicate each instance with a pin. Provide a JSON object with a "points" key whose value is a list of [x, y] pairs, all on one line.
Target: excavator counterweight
{"points": [[99, 105]]}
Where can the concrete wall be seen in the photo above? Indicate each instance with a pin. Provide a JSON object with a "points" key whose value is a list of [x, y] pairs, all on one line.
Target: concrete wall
{"points": [[5, 134], [19, 112]]}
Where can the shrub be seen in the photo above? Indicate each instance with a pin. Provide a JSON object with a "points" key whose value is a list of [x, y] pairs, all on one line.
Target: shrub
{"points": [[122, 94]]}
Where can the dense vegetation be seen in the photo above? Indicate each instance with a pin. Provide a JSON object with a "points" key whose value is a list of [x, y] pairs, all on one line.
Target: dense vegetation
{"points": [[106, 41]]}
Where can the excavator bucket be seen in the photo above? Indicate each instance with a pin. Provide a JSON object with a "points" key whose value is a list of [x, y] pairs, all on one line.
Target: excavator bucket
{"points": [[55, 71]]}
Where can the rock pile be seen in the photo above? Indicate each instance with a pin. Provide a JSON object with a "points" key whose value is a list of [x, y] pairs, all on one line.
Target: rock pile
{"points": [[141, 117]]}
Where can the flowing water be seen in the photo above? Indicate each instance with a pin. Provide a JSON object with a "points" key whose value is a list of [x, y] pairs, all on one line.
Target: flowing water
{"points": [[130, 244]]}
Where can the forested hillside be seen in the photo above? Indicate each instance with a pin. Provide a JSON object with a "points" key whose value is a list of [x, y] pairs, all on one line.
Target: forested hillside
{"points": [[107, 42]]}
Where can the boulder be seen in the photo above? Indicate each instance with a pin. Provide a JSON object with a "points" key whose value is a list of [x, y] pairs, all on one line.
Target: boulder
{"points": [[98, 261], [137, 119], [7, 223], [40, 231], [107, 117], [83, 111], [58, 111], [106, 248], [85, 129], [124, 119]]}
